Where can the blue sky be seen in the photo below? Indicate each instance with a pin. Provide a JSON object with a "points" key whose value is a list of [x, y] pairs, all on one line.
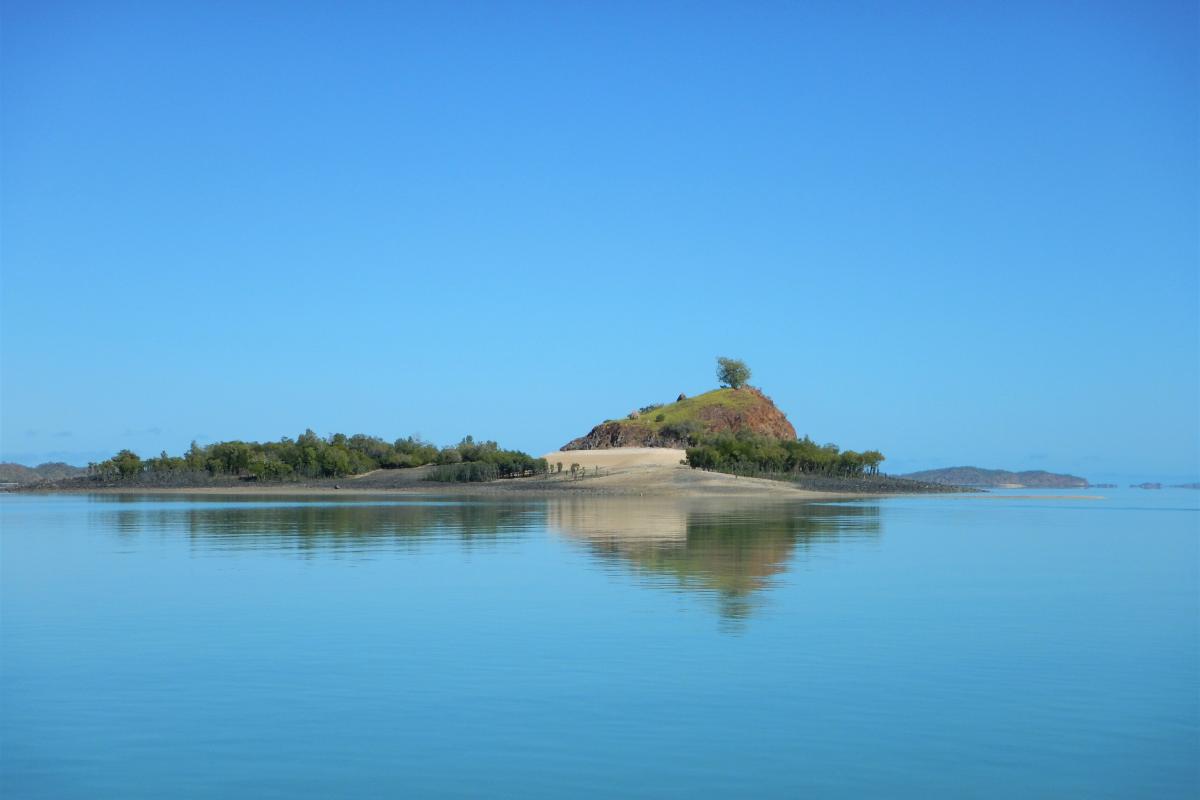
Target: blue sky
{"points": [[962, 233]]}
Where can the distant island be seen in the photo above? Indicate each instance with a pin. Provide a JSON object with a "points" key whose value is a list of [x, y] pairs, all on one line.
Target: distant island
{"points": [[1157, 485], [50, 471], [999, 478]]}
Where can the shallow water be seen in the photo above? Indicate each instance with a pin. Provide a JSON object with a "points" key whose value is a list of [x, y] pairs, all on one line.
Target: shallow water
{"points": [[913, 647]]}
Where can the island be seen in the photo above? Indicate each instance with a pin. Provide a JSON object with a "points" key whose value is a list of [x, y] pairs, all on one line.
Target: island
{"points": [[17, 474], [728, 440], [999, 478]]}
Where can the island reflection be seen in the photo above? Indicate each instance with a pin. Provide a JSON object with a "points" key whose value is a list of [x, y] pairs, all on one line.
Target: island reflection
{"points": [[298, 525], [729, 549]]}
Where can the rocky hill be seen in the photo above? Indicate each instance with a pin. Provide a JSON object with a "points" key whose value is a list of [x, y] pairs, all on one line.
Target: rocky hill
{"points": [[50, 471], [975, 476], [674, 424]]}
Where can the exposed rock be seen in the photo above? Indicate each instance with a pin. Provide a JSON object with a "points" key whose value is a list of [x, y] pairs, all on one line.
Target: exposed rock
{"points": [[621, 434]]}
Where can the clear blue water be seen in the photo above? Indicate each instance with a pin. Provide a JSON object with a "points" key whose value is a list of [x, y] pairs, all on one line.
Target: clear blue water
{"points": [[915, 647]]}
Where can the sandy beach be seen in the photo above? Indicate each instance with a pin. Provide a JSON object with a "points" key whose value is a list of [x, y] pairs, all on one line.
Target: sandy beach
{"points": [[618, 458]]}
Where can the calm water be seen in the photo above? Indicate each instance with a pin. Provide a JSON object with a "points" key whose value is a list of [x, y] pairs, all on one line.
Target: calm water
{"points": [[950, 646]]}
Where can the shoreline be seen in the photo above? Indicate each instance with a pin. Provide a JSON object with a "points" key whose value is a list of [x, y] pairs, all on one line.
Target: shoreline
{"points": [[640, 482], [452, 490], [746, 488], [617, 472]]}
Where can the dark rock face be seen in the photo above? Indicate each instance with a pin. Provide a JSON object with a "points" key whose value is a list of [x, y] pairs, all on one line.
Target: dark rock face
{"points": [[623, 434]]}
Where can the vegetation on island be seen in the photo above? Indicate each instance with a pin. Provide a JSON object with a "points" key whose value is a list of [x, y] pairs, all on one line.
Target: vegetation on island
{"points": [[763, 451], [311, 456], [763, 456]]}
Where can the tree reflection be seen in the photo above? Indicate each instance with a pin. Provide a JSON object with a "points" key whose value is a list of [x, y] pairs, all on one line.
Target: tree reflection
{"points": [[313, 527], [730, 549]]}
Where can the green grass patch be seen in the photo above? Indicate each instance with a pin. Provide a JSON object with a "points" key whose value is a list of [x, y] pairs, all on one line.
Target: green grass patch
{"points": [[692, 408]]}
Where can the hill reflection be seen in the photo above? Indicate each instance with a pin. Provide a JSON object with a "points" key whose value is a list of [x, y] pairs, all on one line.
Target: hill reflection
{"points": [[730, 548]]}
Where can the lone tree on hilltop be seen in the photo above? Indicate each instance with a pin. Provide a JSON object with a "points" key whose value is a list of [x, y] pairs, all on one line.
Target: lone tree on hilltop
{"points": [[732, 372]]}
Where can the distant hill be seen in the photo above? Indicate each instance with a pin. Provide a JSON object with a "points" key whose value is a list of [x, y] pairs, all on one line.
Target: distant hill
{"points": [[975, 476], [674, 424], [50, 471]]}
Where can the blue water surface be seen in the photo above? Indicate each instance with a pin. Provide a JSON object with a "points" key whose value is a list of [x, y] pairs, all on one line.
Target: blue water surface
{"points": [[1013, 644]]}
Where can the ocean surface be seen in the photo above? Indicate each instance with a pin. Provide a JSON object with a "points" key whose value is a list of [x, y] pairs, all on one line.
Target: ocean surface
{"points": [[1012, 645]]}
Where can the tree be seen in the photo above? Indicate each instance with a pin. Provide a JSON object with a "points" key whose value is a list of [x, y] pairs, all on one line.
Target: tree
{"points": [[732, 372], [127, 463]]}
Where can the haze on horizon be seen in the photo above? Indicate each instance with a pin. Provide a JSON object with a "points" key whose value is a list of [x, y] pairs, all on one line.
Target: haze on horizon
{"points": [[959, 233]]}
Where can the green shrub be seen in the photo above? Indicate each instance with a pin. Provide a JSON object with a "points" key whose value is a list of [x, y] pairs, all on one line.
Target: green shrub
{"points": [[311, 456]]}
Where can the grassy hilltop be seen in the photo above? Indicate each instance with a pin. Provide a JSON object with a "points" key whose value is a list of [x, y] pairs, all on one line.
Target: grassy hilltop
{"points": [[745, 410]]}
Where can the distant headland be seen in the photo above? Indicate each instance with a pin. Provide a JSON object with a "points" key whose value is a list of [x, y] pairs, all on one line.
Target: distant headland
{"points": [[999, 478]]}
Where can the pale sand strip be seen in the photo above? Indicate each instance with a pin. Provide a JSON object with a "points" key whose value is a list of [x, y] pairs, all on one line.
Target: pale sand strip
{"points": [[618, 458]]}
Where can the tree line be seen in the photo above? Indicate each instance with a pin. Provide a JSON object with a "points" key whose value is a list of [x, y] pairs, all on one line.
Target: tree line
{"points": [[313, 456], [749, 454]]}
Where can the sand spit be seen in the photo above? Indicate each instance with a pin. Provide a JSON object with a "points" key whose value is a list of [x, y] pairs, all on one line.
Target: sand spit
{"points": [[635, 471]]}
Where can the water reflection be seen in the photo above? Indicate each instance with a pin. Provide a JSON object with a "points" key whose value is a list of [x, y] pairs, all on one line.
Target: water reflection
{"points": [[315, 528], [731, 549]]}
